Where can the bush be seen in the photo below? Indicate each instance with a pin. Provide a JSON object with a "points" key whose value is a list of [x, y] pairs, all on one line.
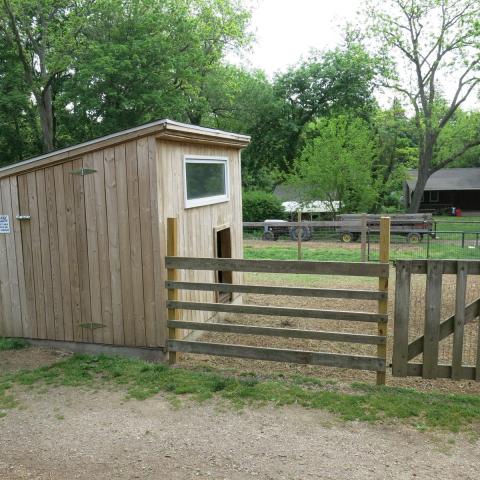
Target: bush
{"points": [[259, 206], [12, 343]]}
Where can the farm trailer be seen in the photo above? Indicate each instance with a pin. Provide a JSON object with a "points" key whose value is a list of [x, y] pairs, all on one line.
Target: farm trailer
{"points": [[412, 226]]}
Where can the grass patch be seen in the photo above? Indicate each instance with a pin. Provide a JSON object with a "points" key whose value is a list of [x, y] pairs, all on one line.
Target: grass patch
{"points": [[446, 246], [284, 252], [12, 343], [142, 380], [458, 224]]}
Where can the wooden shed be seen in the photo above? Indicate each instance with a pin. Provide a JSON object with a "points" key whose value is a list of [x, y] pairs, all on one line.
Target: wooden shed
{"points": [[83, 232]]}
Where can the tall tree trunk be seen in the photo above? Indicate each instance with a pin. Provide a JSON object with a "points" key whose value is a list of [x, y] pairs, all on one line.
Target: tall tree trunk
{"points": [[424, 172], [45, 110], [418, 193]]}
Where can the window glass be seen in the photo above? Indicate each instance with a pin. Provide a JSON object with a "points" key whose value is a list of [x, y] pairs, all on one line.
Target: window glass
{"points": [[206, 181]]}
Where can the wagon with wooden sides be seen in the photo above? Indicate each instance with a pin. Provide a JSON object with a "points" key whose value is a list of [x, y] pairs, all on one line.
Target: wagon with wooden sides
{"points": [[413, 226]]}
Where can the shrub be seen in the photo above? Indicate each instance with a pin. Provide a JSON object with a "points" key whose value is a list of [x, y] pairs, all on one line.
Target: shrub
{"points": [[12, 343], [259, 206]]}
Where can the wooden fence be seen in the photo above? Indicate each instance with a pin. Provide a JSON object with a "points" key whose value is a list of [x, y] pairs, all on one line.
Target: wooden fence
{"points": [[176, 306], [435, 329]]}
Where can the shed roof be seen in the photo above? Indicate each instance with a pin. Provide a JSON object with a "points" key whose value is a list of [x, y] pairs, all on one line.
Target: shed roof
{"points": [[164, 128], [448, 179]]}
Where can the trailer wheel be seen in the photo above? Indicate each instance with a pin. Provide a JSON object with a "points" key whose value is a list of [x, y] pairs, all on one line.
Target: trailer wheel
{"points": [[414, 238], [347, 237], [305, 233], [269, 235]]}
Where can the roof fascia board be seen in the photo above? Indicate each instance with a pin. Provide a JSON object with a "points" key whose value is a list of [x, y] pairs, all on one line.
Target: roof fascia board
{"points": [[209, 135]]}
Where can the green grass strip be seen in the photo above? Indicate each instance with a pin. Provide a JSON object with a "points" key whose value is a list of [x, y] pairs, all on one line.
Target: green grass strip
{"points": [[142, 380]]}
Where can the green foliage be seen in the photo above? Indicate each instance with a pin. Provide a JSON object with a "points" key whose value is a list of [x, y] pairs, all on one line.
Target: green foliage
{"points": [[328, 83], [103, 66], [259, 206], [463, 128], [151, 59], [18, 135], [417, 63], [336, 163], [12, 343], [364, 402], [397, 151]]}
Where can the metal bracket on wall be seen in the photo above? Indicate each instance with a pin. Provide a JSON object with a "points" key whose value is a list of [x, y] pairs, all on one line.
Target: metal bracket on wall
{"points": [[83, 171], [23, 217], [92, 325]]}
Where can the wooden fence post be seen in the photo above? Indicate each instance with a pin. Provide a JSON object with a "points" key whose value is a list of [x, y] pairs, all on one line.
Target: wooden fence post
{"points": [[299, 235], [433, 305], [401, 319], [459, 322], [477, 365], [172, 275], [363, 238], [383, 287]]}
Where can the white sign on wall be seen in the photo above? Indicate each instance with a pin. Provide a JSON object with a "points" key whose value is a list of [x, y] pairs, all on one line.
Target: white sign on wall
{"points": [[4, 224]]}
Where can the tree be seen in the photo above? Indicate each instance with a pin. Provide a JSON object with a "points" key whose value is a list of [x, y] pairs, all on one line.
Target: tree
{"points": [[149, 59], [44, 36], [397, 151], [436, 42], [275, 113], [336, 164], [18, 134], [97, 66], [333, 82]]}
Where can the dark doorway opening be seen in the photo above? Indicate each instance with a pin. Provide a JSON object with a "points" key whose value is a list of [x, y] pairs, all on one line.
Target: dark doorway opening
{"points": [[223, 249]]}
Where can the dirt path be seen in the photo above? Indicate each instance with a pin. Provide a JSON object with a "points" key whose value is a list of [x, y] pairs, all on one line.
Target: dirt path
{"points": [[73, 434]]}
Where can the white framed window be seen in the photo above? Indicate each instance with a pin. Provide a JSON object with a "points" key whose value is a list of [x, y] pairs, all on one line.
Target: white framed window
{"points": [[206, 180], [434, 196]]}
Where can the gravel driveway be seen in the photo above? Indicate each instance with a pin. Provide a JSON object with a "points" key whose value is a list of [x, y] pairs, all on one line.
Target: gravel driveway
{"points": [[69, 433]]}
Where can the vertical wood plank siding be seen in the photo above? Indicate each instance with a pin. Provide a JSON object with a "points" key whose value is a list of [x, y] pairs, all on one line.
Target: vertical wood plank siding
{"points": [[196, 225], [88, 265], [92, 248]]}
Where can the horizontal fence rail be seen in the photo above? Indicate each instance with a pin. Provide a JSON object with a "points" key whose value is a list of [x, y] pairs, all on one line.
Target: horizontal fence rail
{"points": [[280, 311], [274, 290], [281, 355], [279, 332], [448, 266], [279, 266]]}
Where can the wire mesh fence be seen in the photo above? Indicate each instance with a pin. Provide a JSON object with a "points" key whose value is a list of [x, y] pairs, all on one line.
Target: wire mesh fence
{"points": [[332, 241], [301, 241], [460, 241], [439, 245], [417, 316]]}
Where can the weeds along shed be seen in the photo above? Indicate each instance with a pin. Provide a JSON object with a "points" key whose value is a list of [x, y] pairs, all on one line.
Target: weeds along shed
{"points": [[83, 231]]}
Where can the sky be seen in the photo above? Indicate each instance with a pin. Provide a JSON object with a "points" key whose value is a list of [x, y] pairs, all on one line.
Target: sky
{"points": [[286, 30]]}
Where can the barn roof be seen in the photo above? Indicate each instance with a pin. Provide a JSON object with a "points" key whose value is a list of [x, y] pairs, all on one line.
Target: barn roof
{"points": [[164, 128], [448, 179]]}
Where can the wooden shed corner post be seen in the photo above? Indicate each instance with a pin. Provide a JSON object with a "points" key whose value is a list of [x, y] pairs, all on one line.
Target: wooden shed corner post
{"points": [[172, 275], [383, 287]]}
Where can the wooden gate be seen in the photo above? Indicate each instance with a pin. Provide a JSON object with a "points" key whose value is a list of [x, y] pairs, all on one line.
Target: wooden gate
{"points": [[435, 329], [175, 306]]}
